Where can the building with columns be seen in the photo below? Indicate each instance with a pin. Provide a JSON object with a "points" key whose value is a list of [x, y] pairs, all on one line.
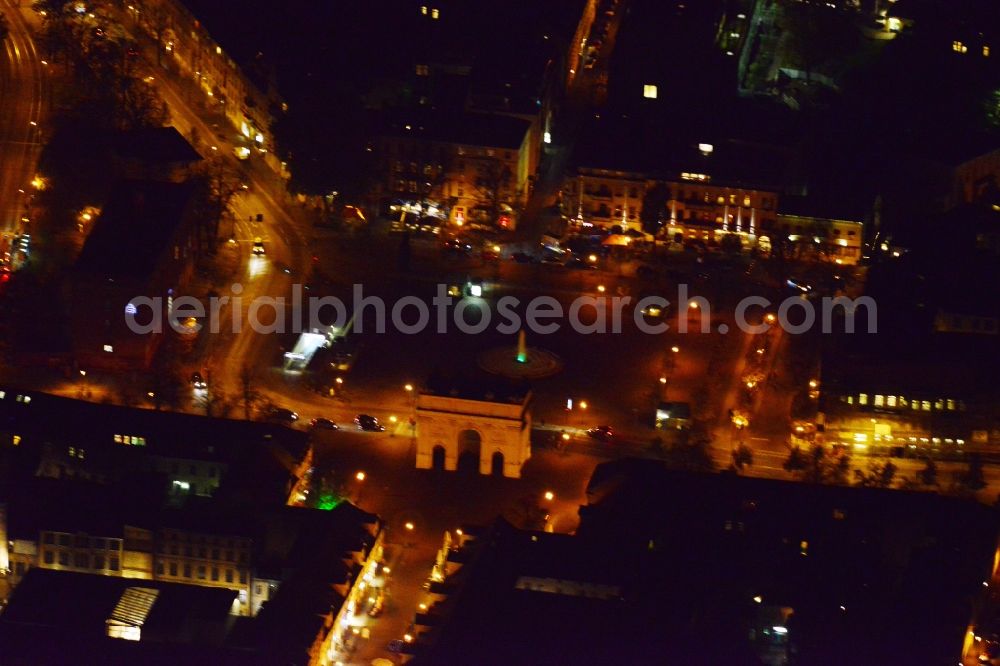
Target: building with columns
{"points": [[486, 425]]}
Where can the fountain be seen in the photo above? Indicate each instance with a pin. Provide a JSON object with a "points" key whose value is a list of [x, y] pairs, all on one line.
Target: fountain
{"points": [[520, 362]]}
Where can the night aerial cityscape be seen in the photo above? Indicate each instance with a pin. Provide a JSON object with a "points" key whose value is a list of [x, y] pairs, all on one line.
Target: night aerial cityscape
{"points": [[500, 332]]}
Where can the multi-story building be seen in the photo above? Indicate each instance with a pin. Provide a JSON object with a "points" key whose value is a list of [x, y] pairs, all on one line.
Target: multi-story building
{"points": [[466, 167], [814, 232], [246, 97], [705, 190]]}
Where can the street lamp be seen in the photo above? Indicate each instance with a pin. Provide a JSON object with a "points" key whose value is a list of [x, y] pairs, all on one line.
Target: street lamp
{"points": [[549, 495], [583, 404], [675, 349], [409, 526], [408, 388], [360, 476]]}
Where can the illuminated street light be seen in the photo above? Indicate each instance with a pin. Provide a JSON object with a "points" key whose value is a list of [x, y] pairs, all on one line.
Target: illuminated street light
{"points": [[663, 380], [360, 476], [408, 638], [758, 599], [386, 570], [583, 404], [770, 318], [675, 349], [549, 495], [83, 373], [813, 383], [592, 258], [340, 380], [409, 526], [408, 388], [693, 305], [393, 419], [601, 288], [565, 436], [422, 606]]}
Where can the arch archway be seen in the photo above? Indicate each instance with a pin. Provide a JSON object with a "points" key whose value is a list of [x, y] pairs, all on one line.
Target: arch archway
{"points": [[438, 455], [470, 444], [496, 464]]}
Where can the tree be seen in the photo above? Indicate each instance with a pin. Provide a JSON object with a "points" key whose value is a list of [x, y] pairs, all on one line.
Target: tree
{"points": [[731, 244], [165, 385], [493, 180], [816, 466], [691, 453], [928, 476], [4, 28], [969, 481], [216, 182], [251, 397], [742, 457], [654, 207], [879, 475]]}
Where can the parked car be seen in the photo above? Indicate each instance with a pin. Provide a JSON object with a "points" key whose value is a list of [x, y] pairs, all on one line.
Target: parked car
{"points": [[522, 258], [602, 433], [368, 423], [580, 264], [197, 381], [282, 415], [323, 424], [258, 247]]}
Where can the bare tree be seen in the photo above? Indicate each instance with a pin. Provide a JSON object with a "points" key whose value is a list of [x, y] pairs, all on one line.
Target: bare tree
{"points": [[4, 28], [216, 183], [251, 397], [493, 184]]}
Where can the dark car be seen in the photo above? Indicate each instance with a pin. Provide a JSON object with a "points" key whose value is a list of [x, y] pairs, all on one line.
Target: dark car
{"points": [[522, 258], [579, 264], [368, 423], [197, 381], [552, 259], [323, 424], [602, 433], [454, 246], [282, 415]]}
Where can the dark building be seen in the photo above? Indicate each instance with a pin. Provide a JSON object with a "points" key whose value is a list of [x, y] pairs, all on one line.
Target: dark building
{"points": [[142, 245], [55, 614], [674, 567]]}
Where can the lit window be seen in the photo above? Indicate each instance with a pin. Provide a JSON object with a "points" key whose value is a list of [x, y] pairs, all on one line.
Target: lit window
{"points": [[118, 439], [986, 51], [915, 404], [890, 401], [649, 91], [705, 148], [926, 405], [863, 399], [959, 47], [879, 400], [951, 405], [435, 14], [902, 401], [218, 50], [939, 404], [746, 199], [850, 400], [17, 440], [423, 70], [109, 349]]}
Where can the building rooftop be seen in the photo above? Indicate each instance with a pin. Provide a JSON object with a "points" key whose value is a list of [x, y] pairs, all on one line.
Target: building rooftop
{"points": [[476, 386], [461, 127], [164, 433], [154, 145], [79, 605], [136, 223]]}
